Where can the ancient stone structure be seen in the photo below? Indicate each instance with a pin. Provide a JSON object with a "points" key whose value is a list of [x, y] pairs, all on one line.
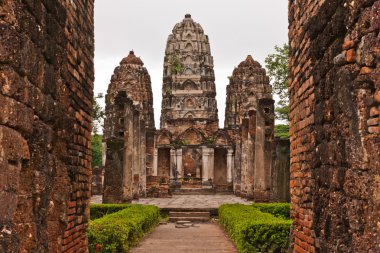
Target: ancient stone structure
{"points": [[250, 112], [128, 131], [335, 132], [46, 83], [189, 151], [189, 116], [189, 84]]}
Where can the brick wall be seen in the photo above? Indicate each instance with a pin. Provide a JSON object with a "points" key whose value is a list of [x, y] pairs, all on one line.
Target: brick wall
{"points": [[46, 82], [335, 134]]}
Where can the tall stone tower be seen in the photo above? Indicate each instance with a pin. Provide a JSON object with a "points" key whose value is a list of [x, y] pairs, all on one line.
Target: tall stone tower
{"points": [[132, 78], [250, 110], [128, 131], [249, 86], [189, 82]]}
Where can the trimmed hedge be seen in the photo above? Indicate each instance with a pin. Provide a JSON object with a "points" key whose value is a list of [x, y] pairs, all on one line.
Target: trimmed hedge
{"points": [[99, 210], [253, 230], [119, 231], [280, 210]]}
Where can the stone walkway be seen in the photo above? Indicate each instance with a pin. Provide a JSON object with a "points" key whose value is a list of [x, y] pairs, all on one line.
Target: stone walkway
{"points": [[204, 238], [186, 201]]}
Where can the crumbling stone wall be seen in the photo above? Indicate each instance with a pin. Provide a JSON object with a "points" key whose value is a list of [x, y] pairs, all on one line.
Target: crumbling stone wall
{"points": [[46, 82], [335, 132]]}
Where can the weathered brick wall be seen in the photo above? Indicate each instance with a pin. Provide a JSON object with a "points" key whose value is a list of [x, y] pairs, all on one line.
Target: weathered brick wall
{"points": [[335, 133], [46, 82]]}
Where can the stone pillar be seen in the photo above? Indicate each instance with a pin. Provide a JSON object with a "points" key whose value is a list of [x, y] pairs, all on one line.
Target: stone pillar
{"points": [[237, 173], [230, 164], [128, 156], [104, 153], [245, 185], [173, 163], [205, 158], [251, 140], [207, 164], [262, 159], [136, 154], [143, 158], [211, 164], [179, 163], [155, 163]]}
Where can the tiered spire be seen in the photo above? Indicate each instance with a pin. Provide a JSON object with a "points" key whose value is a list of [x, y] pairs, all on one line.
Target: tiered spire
{"points": [[189, 81]]}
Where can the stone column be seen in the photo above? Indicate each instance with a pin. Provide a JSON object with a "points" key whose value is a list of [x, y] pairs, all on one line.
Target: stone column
{"points": [[143, 158], [136, 154], [230, 164], [173, 163], [205, 158], [128, 155], [179, 163], [104, 153], [261, 168], [211, 164], [155, 162]]}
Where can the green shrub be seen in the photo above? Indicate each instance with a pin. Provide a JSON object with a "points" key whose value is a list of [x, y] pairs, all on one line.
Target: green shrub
{"points": [[280, 210], [119, 231], [99, 210], [253, 230]]}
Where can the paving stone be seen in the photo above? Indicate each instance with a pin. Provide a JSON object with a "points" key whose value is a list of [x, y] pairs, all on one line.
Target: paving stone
{"points": [[200, 239]]}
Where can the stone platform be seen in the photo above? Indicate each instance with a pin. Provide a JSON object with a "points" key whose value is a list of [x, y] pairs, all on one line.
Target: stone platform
{"points": [[208, 203]]}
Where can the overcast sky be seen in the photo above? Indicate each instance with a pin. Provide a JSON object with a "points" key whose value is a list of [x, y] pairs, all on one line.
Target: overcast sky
{"points": [[235, 29]]}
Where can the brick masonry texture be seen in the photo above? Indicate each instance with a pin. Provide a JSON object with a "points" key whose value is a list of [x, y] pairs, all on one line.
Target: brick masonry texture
{"points": [[46, 83], [335, 134]]}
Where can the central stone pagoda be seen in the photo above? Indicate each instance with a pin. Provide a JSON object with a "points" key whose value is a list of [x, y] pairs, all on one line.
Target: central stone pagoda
{"points": [[189, 114], [189, 82]]}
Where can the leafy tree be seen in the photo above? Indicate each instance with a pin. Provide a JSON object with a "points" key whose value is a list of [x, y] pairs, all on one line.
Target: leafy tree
{"points": [[96, 139], [278, 70], [97, 114], [281, 131], [96, 142]]}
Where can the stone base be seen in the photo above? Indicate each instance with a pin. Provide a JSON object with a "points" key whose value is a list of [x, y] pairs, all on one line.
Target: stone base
{"points": [[155, 188]]}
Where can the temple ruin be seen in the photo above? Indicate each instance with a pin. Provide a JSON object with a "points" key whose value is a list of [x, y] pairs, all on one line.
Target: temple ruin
{"points": [[189, 152], [46, 92]]}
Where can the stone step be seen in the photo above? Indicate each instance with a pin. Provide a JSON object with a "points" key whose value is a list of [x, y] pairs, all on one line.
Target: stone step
{"points": [[191, 219], [193, 191], [190, 214]]}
